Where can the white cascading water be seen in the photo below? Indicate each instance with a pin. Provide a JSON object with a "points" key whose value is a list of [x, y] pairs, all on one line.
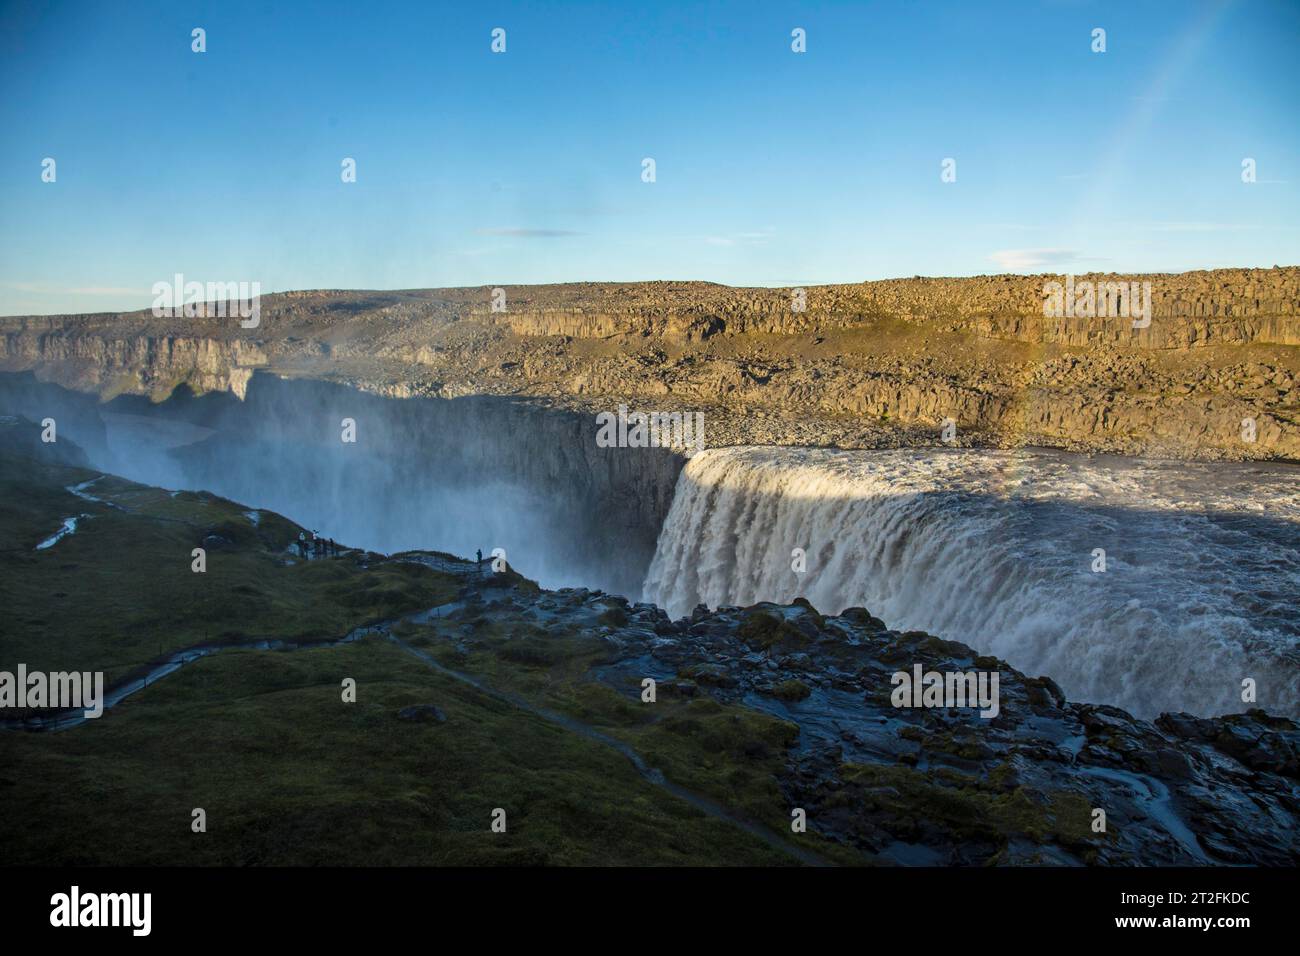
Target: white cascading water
{"points": [[1201, 587]]}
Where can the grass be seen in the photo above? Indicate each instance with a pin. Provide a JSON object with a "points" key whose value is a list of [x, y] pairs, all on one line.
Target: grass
{"points": [[120, 591], [288, 774], [913, 804]]}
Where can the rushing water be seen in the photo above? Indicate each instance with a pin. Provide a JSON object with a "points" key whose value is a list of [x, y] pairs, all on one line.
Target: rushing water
{"points": [[1201, 587]]}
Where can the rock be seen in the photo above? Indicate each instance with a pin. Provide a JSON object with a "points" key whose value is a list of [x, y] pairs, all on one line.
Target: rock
{"points": [[1179, 386], [712, 675], [1052, 689]]}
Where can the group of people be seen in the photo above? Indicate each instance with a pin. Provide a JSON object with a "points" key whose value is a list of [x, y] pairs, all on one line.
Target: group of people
{"points": [[316, 546]]}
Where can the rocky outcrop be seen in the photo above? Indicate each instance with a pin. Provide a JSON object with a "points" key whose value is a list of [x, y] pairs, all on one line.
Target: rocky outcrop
{"points": [[862, 365], [144, 364], [1044, 780]]}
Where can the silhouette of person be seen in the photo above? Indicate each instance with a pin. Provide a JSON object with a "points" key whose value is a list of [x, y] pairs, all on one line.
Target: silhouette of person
{"points": [[480, 559]]}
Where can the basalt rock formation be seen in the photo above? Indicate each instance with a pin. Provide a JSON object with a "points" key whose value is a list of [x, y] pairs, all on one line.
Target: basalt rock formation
{"points": [[865, 365], [944, 786]]}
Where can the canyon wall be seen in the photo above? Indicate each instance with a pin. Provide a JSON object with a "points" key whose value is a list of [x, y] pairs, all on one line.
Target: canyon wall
{"points": [[1230, 307], [877, 364]]}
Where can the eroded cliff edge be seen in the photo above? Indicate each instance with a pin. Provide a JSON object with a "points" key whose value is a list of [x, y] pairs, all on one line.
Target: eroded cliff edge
{"points": [[878, 364]]}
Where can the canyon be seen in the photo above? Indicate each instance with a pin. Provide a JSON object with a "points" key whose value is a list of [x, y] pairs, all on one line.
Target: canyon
{"points": [[1194, 593], [478, 430], [866, 365]]}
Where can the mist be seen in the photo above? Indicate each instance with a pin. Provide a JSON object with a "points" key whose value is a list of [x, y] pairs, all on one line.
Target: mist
{"points": [[456, 475]]}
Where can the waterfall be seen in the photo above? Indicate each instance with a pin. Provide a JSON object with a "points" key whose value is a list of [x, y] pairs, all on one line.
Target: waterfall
{"points": [[1199, 590]]}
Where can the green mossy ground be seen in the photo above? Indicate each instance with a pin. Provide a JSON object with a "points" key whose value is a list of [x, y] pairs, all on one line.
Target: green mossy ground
{"points": [[120, 591], [761, 629], [911, 804], [289, 774], [790, 691]]}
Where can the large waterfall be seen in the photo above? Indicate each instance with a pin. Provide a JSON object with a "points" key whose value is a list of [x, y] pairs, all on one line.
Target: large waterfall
{"points": [[1155, 586]]}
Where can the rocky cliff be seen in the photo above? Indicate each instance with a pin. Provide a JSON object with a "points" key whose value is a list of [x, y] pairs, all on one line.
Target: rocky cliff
{"points": [[874, 364]]}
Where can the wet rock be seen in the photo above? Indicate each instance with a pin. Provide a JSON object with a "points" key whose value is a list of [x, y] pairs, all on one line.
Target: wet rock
{"points": [[1255, 739], [864, 619], [711, 675], [1044, 692], [1104, 719]]}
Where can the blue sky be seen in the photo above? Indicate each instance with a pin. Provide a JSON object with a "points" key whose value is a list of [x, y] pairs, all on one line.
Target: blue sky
{"points": [[772, 168]]}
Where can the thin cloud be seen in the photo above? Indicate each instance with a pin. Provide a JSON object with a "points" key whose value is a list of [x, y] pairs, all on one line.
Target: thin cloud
{"points": [[1028, 260]]}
